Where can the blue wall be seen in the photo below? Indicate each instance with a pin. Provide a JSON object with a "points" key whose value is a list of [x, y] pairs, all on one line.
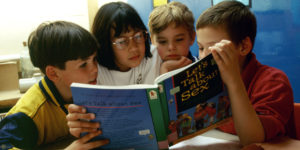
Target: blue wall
{"points": [[278, 38]]}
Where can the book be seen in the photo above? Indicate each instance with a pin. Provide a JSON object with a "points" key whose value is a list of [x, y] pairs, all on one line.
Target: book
{"points": [[180, 104]]}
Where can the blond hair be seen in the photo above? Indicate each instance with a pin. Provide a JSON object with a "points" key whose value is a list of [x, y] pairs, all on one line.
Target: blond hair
{"points": [[174, 12]]}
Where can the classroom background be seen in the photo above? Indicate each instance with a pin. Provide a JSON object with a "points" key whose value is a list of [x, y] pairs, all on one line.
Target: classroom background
{"points": [[277, 43]]}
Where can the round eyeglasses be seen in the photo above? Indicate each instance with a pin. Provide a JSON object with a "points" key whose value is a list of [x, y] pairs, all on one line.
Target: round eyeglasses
{"points": [[123, 42]]}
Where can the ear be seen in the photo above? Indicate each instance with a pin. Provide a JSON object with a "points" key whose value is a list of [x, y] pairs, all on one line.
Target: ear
{"points": [[52, 73], [246, 46], [193, 36]]}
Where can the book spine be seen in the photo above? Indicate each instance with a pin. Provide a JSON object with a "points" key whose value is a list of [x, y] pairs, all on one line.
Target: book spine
{"points": [[157, 117], [164, 105]]}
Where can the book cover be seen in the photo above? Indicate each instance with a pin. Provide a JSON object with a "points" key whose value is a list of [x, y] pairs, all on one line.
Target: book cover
{"points": [[181, 104], [193, 99], [124, 113]]}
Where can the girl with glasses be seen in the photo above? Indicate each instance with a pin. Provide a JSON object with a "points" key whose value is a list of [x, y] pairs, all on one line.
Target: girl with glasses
{"points": [[125, 56]]}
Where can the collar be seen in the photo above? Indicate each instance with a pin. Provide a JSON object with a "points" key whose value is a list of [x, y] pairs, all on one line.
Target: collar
{"points": [[50, 91], [191, 57], [250, 69]]}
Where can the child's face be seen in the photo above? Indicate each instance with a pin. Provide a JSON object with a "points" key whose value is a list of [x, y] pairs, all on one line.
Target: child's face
{"points": [[209, 36], [129, 49], [173, 42], [81, 71]]}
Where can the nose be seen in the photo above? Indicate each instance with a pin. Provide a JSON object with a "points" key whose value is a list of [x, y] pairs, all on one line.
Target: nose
{"points": [[94, 67], [132, 45], [171, 46]]}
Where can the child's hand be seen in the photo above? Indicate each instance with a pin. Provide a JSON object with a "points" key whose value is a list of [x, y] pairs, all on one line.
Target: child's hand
{"points": [[83, 144], [226, 56], [78, 121], [170, 65]]}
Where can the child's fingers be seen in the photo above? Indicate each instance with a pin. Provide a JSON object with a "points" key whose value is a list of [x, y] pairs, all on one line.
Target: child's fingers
{"points": [[96, 144], [89, 136], [80, 116], [77, 131], [73, 108], [222, 51], [83, 124]]}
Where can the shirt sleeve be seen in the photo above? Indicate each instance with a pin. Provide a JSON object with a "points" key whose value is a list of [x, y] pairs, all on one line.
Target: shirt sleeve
{"points": [[18, 130], [272, 99]]}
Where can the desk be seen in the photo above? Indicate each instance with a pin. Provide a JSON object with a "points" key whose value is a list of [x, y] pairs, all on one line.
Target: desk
{"points": [[9, 98], [210, 140]]}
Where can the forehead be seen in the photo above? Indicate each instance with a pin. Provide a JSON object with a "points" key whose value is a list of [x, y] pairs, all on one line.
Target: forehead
{"points": [[172, 30], [124, 32], [211, 34]]}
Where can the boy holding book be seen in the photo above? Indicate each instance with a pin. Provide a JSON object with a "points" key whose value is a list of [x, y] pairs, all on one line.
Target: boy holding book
{"points": [[65, 53], [261, 96]]}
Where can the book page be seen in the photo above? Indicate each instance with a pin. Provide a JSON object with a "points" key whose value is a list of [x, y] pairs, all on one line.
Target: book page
{"points": [[124, 115], [206, 143]]}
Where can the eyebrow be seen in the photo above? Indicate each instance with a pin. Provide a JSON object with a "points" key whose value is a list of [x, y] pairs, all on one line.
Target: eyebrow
{"points": [[162, 37]]}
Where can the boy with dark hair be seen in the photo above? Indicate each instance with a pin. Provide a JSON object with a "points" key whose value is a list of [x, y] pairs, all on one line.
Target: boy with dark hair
{"points": [[65, 53], [261, 96]]}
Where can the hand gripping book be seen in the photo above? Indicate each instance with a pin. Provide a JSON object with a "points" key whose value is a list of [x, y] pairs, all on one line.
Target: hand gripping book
{"points": [[181, 104]]}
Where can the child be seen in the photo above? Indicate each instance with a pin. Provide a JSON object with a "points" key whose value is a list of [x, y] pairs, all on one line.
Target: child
{"points": [[122, 59], [172, 31], [125, 56], [261, 96], [65, 53]]}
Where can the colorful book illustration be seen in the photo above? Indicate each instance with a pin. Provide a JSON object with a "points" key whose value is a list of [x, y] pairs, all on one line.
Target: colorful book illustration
{"points": [[182, 104]]}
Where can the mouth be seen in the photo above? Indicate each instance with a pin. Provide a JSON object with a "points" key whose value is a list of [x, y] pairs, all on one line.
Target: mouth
{"points": [[94, 82], [172, 57], [134, 57]]}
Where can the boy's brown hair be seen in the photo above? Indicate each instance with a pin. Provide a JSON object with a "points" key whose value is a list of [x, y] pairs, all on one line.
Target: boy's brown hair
{"points": [[236, 19], [174, 12], [55, 43]]}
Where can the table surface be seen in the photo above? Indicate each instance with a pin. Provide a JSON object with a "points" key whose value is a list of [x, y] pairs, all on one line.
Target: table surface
{"points": [[210, 140]]}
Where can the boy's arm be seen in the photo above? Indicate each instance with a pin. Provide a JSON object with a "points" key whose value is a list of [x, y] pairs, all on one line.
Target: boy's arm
{"points": [[15, 130], [84, 144], [246, 122], [170, 65], [78, 120]]}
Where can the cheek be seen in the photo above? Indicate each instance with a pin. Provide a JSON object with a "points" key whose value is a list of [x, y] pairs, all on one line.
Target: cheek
{"points": [[160, 52]]}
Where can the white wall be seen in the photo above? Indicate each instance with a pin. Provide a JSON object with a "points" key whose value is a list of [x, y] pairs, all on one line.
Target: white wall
{"points": [[18, 18]]}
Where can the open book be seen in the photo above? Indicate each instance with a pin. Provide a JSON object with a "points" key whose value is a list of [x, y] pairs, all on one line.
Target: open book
{"points": [[182, 104]]}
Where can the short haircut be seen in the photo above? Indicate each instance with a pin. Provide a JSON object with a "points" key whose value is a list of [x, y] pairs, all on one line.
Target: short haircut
{"points": [[120, 17], [174, 12], [236, 19], [55, 43]]}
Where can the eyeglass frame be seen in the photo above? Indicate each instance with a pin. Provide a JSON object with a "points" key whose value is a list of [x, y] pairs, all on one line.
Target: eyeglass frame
{"points": [[128, 39]]}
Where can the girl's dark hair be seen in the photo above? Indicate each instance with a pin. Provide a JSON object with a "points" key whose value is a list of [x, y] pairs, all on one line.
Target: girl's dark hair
{"points": [[120, 17], [55, 43]]}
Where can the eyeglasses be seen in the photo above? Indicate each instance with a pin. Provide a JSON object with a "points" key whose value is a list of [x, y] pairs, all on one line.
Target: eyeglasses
{"points": [[123, 42]]}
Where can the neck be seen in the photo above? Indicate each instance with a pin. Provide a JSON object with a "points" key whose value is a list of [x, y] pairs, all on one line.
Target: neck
{"points": [[65, 92]]}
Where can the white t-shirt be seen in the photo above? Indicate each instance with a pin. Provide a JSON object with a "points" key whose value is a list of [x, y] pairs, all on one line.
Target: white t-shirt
{"points": [[145, 73]]}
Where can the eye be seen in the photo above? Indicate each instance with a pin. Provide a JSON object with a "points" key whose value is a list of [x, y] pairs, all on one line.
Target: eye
{"points": [[162, 42], [179, 39], [201, 48], [83, 65], [138, 36], [121, 41]]}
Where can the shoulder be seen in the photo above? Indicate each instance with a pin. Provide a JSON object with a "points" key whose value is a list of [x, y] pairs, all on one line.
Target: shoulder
{"points": [[30, 102], [272, 84], [270, 74]]}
